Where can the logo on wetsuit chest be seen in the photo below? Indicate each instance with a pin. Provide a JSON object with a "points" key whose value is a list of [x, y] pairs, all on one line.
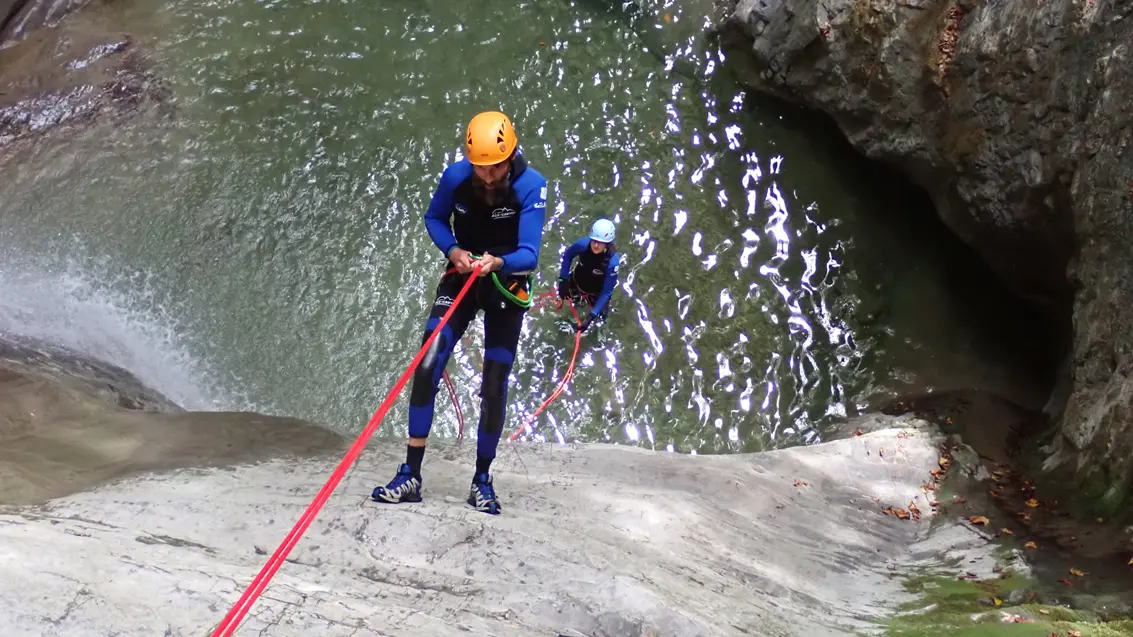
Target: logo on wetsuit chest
{"points": [[502, 213], [460, 209], [444, 301], [597, 272]]}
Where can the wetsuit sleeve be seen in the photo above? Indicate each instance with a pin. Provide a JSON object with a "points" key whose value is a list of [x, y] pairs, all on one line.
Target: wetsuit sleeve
{"points": [[608, 285], [572, 251], [532, 192], [439, 215]]}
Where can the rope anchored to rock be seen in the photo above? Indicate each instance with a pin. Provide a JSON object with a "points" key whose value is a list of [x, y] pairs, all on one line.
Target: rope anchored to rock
{"points": [[230, 622], [242, 606]]}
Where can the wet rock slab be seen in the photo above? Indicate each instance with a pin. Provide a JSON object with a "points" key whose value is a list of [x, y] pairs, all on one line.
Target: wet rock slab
{"points": [[594, 540], [67, 65], [69, 423]]}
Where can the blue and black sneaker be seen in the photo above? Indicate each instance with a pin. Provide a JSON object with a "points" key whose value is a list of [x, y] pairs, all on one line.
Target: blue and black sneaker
{"points": [[405, 487], [482, 496]]}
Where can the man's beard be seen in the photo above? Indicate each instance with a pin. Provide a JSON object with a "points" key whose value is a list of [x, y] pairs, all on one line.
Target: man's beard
{"points": [[495, 195]]}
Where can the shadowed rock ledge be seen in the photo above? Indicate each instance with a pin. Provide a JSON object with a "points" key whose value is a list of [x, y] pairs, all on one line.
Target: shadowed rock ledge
{"points": [[1015, 118]]}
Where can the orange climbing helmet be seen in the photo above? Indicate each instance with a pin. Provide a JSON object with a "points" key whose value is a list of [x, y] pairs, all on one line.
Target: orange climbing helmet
{"points": [[490, 139]]}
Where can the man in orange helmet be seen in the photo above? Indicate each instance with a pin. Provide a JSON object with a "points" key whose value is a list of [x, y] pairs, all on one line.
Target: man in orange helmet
{"points": [[487, 209]]}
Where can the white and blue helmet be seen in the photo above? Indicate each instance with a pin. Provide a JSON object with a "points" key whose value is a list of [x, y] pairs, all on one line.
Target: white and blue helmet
{"points": [[602, 230]]}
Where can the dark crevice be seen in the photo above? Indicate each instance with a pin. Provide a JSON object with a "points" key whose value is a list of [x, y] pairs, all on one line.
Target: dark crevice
{"points": [[1038, 329], [9, 9]]}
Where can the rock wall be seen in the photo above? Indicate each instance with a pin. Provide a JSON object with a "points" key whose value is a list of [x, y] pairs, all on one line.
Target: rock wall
{"points": [[65, 64], [1016, 118]]}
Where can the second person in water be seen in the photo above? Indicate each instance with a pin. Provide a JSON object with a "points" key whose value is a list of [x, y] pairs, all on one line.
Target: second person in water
{"points": [[595, 276]]}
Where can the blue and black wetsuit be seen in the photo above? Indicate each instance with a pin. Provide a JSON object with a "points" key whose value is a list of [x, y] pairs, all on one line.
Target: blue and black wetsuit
{"points": [[594, 277], [510, 228]]}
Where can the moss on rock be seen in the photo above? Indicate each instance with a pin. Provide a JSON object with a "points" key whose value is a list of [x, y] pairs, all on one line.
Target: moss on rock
{"points": [[977, 608]]}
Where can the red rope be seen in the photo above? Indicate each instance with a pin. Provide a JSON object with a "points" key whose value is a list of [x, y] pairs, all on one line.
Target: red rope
{"points": [[566, 377], [545, 299], [240, 609], [455, 405]]}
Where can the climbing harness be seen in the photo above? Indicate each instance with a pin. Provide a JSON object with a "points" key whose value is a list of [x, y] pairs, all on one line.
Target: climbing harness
{"points": [[515, 292]]}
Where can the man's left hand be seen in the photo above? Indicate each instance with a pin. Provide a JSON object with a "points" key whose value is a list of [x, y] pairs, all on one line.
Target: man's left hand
{"points": [[489, 263]]}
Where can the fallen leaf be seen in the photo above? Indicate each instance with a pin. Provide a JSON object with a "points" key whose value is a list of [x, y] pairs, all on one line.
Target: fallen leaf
{"points": [[800, 483], [948, 420], [1065, 581], [958, 500], [1074, 633], [1131, 561], [1100, 520], [1032, 503], [900, 513], [933, 503], [944, 462], [994, 494], [997, 601], [858, 433], [1076, 572], [1031, 545], [1032, 596], [978, 519], [1044, 611], [1006, 531], [935, 473], [667, 18]]}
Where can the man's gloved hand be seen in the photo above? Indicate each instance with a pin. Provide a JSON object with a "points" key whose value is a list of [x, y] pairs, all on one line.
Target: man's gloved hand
{"points": [[563, 289], [583, 326]]}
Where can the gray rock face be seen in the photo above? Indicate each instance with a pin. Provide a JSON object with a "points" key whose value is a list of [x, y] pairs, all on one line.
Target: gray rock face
{"points": [[20, 17], [69, 422], [1016, 118], [65, 64], [593, 540]]}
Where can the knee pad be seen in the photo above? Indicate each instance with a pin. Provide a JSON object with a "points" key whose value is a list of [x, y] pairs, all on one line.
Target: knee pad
{"points": [[493, 396], [432, 365]]}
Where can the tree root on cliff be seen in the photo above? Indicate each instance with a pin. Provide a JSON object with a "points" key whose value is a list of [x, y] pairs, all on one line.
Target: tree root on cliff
{"points": [[947, 44]]}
